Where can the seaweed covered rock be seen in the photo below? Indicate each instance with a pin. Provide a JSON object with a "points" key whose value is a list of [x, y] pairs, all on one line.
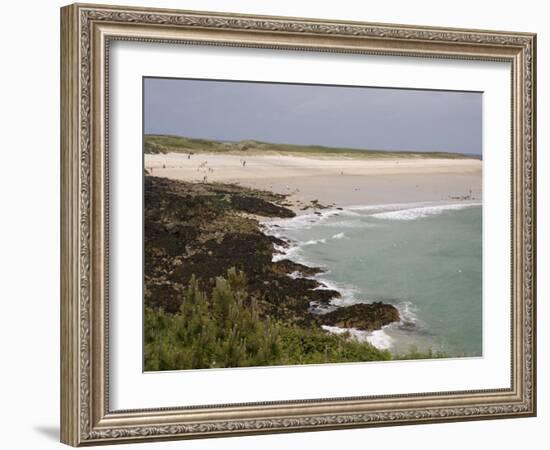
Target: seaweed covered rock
{"points": [[255, 205], [205, 229], [363, 316]]}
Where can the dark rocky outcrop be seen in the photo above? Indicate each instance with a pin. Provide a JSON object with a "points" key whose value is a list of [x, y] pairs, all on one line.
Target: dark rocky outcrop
{"points": [[260, 207], [363, 316], [204, 229]]}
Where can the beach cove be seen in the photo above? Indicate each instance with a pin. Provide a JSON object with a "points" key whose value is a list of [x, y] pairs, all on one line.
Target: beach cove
{"points": [[383, 231]]}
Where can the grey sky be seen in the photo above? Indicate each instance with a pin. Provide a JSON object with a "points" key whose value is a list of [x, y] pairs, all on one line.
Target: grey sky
{"points": [[336, 116]]}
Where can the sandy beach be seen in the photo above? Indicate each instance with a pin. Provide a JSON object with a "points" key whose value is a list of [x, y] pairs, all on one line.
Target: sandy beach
{"points": [[330, 180]]}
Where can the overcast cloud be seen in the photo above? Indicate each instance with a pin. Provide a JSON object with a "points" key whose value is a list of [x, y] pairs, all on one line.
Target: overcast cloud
{"points": [[354, 117]]}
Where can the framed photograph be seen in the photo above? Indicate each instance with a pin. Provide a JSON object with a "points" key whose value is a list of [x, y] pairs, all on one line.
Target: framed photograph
{"points": [[275, 224]]}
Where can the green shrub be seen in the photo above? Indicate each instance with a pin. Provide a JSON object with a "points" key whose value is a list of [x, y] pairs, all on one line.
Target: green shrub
{"points": [[226, 330]]}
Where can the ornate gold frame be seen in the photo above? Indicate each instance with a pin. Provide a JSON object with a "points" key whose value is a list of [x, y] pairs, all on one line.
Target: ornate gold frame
{"points": [[86, 31]]}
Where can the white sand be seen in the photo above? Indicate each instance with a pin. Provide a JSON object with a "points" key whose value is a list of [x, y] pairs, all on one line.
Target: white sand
{"points": [[338, 180]]}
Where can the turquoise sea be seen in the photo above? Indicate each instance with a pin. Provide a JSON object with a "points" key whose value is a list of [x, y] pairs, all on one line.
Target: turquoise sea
{"points": [[424, 258]]}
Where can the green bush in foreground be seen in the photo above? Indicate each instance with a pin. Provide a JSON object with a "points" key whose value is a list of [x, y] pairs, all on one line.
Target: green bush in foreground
{"points": [[225, 330]]}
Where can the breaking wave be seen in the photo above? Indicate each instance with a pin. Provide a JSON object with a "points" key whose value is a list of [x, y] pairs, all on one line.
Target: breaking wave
{"points": [[421, 212], [378, 338]]}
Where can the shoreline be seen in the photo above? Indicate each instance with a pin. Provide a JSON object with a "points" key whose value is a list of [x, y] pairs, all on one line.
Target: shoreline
{"points": [[288, 288], [349, 293]]}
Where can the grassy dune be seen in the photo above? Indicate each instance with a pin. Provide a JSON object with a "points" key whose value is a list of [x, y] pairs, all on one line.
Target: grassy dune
{"points": [[180, 144]]}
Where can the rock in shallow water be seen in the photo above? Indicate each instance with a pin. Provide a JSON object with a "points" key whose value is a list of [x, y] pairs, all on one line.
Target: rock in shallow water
{"points": [[362, 316]]}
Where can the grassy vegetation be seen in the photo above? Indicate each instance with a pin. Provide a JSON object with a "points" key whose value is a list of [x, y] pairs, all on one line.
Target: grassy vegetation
{"points": [[224, 329], [180, 144]]}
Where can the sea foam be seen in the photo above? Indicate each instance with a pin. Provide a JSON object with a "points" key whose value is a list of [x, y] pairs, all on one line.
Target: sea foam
{"points": [[421, 212], [378, 338]]}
